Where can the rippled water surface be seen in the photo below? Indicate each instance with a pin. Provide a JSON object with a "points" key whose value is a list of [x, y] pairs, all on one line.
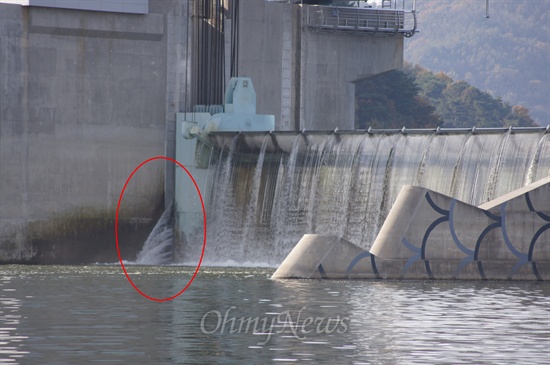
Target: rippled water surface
{"points": [[89, 315]]}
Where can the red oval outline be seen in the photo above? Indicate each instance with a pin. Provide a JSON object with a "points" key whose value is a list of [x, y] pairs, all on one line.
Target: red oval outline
{"points": [[204, 230]]}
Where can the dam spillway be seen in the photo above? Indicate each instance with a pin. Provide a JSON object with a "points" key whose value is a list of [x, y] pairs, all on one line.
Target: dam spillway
{"points": [[87, 101], [266, 190]]}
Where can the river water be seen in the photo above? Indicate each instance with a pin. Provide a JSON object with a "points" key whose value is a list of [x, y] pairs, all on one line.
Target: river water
{"points": [[92, 315]]}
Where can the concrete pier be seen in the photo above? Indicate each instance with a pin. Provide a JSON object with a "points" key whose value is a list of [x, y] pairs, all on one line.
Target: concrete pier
{"points": [[85, 97], [305, 75]]}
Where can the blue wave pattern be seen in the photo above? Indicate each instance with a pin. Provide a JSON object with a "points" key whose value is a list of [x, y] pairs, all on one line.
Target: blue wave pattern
{"points": [[419, 253], [360, 257], [500, 222]]}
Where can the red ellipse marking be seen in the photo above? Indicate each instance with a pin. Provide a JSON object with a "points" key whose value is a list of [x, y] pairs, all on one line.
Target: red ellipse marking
{"points": [[204, 231]]}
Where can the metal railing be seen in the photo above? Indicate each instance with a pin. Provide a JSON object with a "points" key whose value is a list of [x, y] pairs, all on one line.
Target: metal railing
{"points": [[283, 141], [404, 131], [361, 20], [403, 4]]}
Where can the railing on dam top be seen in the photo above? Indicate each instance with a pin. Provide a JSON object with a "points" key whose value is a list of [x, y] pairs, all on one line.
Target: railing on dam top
{"points": [[252, 142], [404, 130], [362, 20]]}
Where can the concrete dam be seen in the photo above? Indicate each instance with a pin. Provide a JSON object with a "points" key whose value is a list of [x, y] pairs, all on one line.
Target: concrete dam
{"points": [[90, 93], [89, 90], [343, 184]]}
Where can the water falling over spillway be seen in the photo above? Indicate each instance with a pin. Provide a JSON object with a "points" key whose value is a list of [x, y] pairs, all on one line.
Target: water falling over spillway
{"points": [[158, 248], [345, 184]]}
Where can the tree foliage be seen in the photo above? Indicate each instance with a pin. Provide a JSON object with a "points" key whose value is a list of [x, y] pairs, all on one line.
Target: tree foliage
{"points": [[507, 54], [418, 98], [460, 104], [392, 100]]}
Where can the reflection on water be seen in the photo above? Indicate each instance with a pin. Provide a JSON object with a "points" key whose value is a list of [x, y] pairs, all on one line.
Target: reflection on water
{"points": [[69, 315]]}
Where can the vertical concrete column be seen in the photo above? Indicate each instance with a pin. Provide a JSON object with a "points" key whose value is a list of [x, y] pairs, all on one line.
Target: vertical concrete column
{"points": [[188, 208], [261, 32], [228, 28], [14, 117], [301, 67], [84, 95], [286, 70], [177, 85]]}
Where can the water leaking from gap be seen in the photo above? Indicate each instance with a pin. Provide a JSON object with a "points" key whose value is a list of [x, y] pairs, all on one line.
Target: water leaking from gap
{"points": [[158, 249]]}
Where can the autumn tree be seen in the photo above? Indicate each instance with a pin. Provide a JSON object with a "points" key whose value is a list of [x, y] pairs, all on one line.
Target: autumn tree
{"points": [[418, 98], [392, 100]]}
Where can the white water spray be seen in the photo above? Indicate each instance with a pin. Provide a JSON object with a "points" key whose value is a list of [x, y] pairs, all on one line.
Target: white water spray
{"points": [[346, 184], [158, 248]]}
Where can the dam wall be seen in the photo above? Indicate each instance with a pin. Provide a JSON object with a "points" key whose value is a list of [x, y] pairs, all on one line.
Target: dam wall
{"points": [[343, 184], [89, 90], [85, 97]]}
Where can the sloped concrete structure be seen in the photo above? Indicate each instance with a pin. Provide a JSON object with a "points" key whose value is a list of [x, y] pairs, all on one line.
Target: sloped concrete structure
{"points": [[428, 235], [315, 255]]}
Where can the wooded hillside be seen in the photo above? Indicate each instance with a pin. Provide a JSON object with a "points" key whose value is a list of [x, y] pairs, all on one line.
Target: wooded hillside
{"points": [[418, 98], [507, 55]]}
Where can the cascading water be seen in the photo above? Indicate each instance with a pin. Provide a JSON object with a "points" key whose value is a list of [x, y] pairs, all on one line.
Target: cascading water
{"points": [[345, 184], [158, 248]]}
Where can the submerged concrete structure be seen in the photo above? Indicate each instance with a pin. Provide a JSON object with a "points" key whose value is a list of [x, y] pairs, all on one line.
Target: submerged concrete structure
{"points": [[428, 235]]}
